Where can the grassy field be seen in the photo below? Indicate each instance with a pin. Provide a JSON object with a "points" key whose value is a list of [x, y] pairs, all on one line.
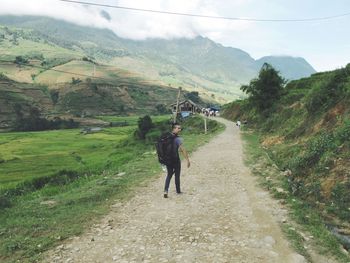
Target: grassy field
{"points": [[26, 155], [132, 120], [37, 220]]}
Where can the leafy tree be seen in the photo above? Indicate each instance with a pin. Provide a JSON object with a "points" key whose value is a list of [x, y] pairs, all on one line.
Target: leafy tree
{"points": [[75, 80], [21, 60], [266, 89], [3, 76], [54, 94], [162, 109], [144, 125]]}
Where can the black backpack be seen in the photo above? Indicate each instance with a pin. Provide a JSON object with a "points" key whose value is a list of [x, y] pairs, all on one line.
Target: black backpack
{"points": [[167, 149]]}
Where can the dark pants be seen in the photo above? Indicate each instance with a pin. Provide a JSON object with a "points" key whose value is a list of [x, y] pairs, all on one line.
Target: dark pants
{"points": [[173, 169]]}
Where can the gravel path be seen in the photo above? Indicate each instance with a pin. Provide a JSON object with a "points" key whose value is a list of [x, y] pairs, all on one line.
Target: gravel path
{"points": [[223, 216]]}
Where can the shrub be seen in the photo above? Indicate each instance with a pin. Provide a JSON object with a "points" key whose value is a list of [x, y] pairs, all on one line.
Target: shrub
{"points": [[327, 93], [144, 125], [314, 149]]}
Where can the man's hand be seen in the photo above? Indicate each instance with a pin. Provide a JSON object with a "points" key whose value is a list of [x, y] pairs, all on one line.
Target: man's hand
{"points": [[184, 152]]}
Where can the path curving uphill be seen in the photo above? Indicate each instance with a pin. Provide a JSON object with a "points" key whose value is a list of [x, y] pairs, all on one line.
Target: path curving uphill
{"points": [[223, 216]]}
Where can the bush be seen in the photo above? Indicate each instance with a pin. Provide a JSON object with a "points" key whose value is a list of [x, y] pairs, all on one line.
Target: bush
{"points": [[314, 149], [327, 93], [341, 198], [144, 125]]}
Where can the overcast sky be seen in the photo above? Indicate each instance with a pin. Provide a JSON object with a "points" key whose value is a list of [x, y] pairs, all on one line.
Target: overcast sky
{"points": [[324, 44]]}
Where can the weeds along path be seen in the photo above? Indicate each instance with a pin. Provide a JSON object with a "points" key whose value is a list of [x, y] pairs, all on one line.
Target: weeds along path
{"points": [[221, 217]]}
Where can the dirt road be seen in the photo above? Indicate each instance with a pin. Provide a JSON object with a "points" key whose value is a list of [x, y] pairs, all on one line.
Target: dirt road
{"points": [[223, 216]]}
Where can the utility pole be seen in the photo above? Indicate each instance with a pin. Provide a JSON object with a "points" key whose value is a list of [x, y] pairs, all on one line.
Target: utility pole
{"points": [[177, 104]]}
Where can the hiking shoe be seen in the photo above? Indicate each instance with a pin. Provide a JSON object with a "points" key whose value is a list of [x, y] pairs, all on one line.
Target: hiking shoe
{"points": [[179, 193], [165, 195]]}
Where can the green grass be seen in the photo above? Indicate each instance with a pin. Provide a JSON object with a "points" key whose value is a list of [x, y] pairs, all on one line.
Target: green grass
{"points": [[38, 220], [305, 217], [132, 120], [29, 155]]}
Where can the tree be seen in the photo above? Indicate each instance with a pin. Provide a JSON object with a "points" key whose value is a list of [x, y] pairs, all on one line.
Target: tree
{"points": [[144, 124], [162, 109], [20, 60], [266, 89], [75, 80]]}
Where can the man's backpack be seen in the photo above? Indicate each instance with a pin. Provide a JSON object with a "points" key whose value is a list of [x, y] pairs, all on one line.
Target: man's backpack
{"points": [[166, 149]]}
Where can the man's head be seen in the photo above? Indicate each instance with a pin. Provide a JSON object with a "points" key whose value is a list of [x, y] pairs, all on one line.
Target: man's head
{"points": [[176, 128]]}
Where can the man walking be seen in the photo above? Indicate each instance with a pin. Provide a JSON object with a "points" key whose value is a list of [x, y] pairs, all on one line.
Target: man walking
{"points": [[175, 166]]}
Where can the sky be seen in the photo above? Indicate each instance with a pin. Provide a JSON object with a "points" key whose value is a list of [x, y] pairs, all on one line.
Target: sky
{"points": [[325, 44]]}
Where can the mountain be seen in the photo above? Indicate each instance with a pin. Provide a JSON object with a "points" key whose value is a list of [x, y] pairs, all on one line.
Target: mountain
{"points": [[197, 64], [290, 68]]}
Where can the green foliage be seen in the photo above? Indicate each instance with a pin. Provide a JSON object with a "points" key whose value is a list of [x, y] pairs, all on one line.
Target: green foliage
{"points": [[343, 132], [162, 109], [144, 125], [20, 60], [3, 76], [307, 131], [88, 59], [328, 92], [153, 135], [76, 80], [315, 148], [54, 94], [305, 214], [340, 199], [266, 89], [34, 122]]}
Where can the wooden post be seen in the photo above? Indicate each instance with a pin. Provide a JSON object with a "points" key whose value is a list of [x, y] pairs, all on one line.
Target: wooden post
{"points": [[177, 104], [205, 125]]}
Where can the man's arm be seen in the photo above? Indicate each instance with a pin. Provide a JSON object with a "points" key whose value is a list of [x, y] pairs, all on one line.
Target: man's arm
{"points": [[184, 152]]}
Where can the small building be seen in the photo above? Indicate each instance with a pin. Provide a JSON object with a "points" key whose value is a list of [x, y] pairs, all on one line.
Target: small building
{"points": [[186, 107]]}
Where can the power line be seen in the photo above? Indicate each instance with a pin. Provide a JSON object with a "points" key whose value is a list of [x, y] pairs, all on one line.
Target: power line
{"points": [[208, 16]]}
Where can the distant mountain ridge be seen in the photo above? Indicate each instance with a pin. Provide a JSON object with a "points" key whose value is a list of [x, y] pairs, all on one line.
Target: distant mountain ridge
{"points": [[290, 67], [199, 64]]}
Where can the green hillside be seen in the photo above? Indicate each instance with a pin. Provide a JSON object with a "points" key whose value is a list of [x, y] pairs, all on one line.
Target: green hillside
{"points": [[39, 75], [195, 64], [306, 133]]}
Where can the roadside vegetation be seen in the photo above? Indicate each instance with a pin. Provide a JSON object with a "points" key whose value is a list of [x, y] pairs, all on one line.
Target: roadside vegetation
{"points": [[55, 184], [303, 131]]}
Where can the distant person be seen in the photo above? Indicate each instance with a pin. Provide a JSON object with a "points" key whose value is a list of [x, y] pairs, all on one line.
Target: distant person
{"points": [[238, 124], [174, 167]]}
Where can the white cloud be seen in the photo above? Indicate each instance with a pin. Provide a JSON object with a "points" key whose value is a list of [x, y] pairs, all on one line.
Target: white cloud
{"points": [[258, 39], [136, 24]]}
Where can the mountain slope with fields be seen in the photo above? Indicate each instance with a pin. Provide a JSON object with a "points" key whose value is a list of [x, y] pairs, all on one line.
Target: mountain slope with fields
{"points": [[196, 64]]}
